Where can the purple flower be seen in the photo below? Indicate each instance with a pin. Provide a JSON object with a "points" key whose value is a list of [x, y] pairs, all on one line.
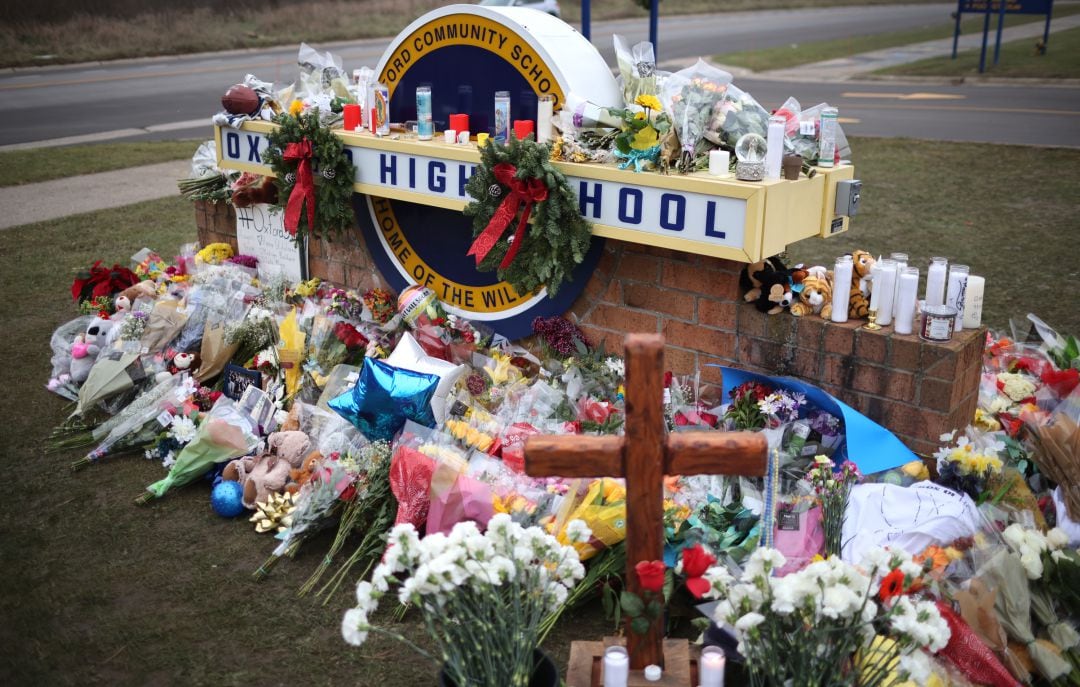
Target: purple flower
{"points": [[560, 334], [245, 261]]}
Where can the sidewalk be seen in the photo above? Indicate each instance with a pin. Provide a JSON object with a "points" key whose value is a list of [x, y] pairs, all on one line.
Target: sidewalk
{"points": [[47, 200], [844, 68]]}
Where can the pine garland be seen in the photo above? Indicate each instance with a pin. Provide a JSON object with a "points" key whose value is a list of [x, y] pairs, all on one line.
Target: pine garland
{"points": [[558, 236], [332, 172]]}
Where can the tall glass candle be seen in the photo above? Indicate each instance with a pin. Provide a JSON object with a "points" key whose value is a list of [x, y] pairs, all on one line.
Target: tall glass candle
{"points": [[827, 142], [885, 289], [841, 292], [711, 667], [425, 127], [907, 292], [935, 281], [875, 292], [973, 302], [774, 147], [616, 666], [545, 114], [901, 264], [958, 276], [502, 117]]}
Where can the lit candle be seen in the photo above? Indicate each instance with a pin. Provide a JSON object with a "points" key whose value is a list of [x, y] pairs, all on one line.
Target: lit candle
{"points": [[907, 292], [774, 147], [616, 666], [875, 292], [719, 163], [973, 302], [711, 667], [841, 291], [885, 288], [958, 276], [935, 281], [545, 113]]}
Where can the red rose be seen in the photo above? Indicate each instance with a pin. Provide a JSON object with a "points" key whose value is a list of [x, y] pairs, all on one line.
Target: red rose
{"points": [[696, 560], [350, 336], [650, 575]]}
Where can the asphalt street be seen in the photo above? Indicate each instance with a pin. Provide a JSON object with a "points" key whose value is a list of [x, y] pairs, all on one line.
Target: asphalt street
{"points": [[173, 97]]}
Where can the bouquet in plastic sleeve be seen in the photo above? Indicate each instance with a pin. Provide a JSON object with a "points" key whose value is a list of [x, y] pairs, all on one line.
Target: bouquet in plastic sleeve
{"points": [[603, 509], [61, 343], [323, 81], [456, 496], [734, 116], [115, 372], [165, 323], [802, 132], [1057, 453], [410, 477], [637, 69], [225, 433], [693, 97]]}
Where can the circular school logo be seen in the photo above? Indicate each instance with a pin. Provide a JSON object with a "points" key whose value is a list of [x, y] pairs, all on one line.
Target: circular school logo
{"points": [[465, 54]]}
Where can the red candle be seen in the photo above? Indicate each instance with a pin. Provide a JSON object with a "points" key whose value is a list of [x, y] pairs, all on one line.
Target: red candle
{"points": [[352, 116], [523, 128], [459, 122]]}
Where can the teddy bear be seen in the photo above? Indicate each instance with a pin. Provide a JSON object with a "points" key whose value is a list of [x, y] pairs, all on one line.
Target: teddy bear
{"points": [[748, 276], [774, 292], [815, 298], [302, 475], [859, 301], [259, 190], [87, 346], [259, 476], [184, 362]]}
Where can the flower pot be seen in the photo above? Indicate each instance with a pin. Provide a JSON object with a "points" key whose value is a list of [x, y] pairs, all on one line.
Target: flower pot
{"points": [[545, 672]]}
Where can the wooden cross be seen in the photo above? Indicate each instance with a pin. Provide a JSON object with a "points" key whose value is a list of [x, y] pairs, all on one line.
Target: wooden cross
{"points": [[643, 455]]}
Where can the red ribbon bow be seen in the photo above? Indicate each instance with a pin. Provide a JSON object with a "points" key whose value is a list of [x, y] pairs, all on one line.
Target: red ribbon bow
{"points": [[303, 190], [522, 192]]}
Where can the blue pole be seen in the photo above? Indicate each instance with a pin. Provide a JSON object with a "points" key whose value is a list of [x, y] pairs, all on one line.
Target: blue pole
{"points": [[1046, 31], [586, 19], [956, 31], [986, 35], [654, 20], [997, 40]]}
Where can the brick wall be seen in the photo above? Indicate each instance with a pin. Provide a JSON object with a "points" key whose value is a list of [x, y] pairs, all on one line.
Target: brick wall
{"points": [[918, 390]]}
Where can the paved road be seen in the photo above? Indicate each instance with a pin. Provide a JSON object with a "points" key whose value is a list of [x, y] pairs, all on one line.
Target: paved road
{"points": [[173, 97]]}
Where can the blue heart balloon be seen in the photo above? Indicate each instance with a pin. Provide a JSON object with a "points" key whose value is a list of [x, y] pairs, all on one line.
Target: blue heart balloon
{"points": [[385, 397]]}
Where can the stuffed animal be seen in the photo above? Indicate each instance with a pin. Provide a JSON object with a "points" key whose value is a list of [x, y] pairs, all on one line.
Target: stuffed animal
{"points": [[748, 277], [268, 473], [184, 362], [262, 190], [775, 291], [859, 301], [302, 475], [814, 298], [87, 347]]}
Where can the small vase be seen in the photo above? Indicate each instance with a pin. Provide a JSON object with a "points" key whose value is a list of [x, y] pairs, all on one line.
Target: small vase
{"points": [[545, 672]]}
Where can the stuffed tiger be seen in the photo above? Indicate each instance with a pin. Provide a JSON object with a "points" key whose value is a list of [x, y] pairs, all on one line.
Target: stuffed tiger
{"points": [[859, 301], [815, 297]]}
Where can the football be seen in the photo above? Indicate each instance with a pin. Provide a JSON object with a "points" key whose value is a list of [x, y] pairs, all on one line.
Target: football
{"points": [[240, 100]]}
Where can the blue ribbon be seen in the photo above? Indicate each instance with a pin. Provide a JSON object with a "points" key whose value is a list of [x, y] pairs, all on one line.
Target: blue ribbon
{"points": [[639, 158]]}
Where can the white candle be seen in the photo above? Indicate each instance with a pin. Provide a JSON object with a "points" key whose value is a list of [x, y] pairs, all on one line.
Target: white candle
{"points": [[885, 289], [463, 137], [973, 302], [958, 276], [450, 136], [935, 281], [719, 163], [841, 291], [875, 292], [774, 147], [711, 668], [907, 292], [545, 112], [616, 666]]}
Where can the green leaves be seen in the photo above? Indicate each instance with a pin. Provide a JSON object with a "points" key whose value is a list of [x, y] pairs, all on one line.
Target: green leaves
{"points": [[642, 614], [631, 604], [639, 626]]}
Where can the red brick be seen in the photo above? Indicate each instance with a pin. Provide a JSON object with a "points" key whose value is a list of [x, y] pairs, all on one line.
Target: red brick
{"points": [[749, 321], [837, 370], [638, 267], [335, 272], [611, 340], [765, 354], [319, 267], [871, 346], [680, 361], [613, 293], [719, 314], [622, 319], [718, 264], [608, 259], [649, 297], [656, 251], [810, 329], [839, 338], [698, 338], [905, 352], [676, 276], [939, 362], [806, 363], [869, 379], [900, 385], [921, 446], [938, 394], [709, 370]]}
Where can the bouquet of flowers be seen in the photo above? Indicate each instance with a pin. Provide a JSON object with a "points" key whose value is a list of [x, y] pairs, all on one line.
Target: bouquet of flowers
{"points": [[833, 488], [967, 465], [482, 597]]}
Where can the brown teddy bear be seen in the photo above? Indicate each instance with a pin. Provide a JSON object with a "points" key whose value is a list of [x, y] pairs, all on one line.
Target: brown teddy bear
{"points": [[815, 297], [268, 473], [301, 476]]}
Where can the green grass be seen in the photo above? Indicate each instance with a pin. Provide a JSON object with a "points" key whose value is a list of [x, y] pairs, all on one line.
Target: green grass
{"points": [[29, 166], [783, 57], [1017, 60]]}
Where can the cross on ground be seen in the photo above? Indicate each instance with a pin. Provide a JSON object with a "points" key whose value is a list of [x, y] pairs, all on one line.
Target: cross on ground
{"points": [[643, 455]]}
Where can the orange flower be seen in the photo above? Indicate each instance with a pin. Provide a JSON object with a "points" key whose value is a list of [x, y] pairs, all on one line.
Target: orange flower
{"points": [[939, 560], [892, 585]]}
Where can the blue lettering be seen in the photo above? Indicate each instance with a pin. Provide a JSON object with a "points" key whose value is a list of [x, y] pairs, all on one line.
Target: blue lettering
{"points": [[585, 200], [253, 149], [436, 176], [348, 154], [387, 166], [710, 221], [412, 172], [665, 212], [625, 194], [463, 178], [232, 145]]}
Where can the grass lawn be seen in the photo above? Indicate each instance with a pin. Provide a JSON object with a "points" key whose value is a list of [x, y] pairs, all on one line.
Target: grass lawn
{"points": [[29, 166], [99, 591], [793, 55], [1018, 60]]}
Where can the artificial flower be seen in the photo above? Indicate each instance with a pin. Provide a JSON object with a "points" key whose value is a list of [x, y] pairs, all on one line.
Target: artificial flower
{"points": [[650, 575], [695, 561]]}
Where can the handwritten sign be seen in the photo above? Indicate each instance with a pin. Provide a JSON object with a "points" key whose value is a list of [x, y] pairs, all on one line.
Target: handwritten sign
{"points": [[260, 231]]}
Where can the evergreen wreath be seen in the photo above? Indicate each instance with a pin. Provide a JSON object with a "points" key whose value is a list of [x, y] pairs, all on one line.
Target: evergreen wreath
{"points": [[331, 172], [557, 238]]}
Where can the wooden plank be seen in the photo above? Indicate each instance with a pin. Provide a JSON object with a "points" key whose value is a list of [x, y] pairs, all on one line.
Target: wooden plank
{"points": [[716, 453], [586, 664], [644, 464], [574, 456]]}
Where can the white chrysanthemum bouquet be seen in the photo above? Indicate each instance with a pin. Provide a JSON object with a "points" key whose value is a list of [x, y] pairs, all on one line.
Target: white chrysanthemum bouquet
{"points": [[482, 596]]}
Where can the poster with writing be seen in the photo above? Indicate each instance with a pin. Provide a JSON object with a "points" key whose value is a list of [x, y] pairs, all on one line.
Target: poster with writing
{"points": [[260, 231]]}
